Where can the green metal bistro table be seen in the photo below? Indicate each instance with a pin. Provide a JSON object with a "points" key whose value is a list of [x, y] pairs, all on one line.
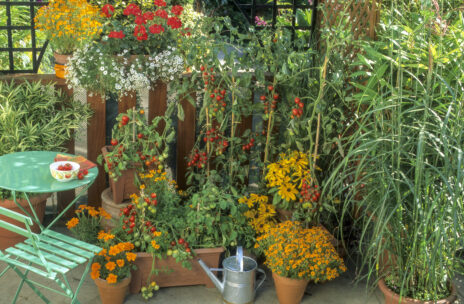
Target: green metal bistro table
{"points": [[29, 172]]}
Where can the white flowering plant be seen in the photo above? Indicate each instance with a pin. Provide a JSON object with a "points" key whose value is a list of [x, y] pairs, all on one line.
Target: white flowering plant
{"points": [[93, 69]]}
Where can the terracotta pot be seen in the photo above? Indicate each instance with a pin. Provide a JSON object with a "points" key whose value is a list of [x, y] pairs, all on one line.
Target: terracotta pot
{"points": [[124, 186], [112, 293], [60, 63], [113, 209], [284, 215], [392, 298], [176, 275], [8, 238], [289, 291]]}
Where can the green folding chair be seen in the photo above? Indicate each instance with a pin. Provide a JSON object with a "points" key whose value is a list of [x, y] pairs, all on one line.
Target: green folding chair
{"points": [[49, 254]]}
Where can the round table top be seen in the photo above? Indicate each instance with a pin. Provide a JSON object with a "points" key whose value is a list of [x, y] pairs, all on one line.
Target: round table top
{"points": [[30, 172]]}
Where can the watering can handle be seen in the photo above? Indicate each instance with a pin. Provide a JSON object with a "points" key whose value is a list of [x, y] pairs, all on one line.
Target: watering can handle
{"points": [[240, 257], [262, 279], [216, 269]]}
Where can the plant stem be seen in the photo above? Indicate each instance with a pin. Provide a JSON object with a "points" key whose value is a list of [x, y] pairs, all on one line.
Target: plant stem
{"points": [[232, 135], [208, 148]]}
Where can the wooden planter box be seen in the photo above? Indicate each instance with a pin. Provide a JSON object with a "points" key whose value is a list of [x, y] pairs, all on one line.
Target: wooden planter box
{"points": [[124, 186], [177, 275]]}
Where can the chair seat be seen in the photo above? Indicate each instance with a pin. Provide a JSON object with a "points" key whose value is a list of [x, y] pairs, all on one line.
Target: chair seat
{"points": [[61, 252]]}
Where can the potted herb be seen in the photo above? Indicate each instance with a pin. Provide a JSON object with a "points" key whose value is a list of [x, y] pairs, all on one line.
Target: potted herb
{"points": [[34, 117], [407, 146]]}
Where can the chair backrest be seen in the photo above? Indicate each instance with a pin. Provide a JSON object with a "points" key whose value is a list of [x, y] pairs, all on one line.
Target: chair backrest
{"points": [[18, 217]]}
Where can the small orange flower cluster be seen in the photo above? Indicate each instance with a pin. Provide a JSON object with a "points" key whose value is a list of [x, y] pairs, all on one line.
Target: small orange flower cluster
{"points": [[93, 212], [301, 253], [87, 218], [113, 262]]}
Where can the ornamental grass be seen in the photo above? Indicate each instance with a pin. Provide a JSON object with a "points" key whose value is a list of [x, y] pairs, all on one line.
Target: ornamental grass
{"points": [[301, 253]]}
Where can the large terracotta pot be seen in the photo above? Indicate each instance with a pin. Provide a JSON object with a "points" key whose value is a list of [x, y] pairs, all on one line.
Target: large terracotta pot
{"points": [[113, 209], [392, 298], [124, 186], [60, 64], [176, 274], [289, 291], [8, 238], [112, 293]]}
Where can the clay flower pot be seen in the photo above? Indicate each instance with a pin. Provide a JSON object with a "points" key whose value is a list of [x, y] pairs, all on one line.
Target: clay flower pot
{"points": [[8, 238], [113, 293], [289, 291], [392, 298], [60, 63]]}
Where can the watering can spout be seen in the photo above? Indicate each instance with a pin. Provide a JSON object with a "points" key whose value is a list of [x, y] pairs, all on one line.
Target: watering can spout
{"points": [[219, 285]]}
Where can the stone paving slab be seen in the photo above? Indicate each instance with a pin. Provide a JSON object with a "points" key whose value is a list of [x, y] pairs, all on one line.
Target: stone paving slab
{"points": [[339, 291]]}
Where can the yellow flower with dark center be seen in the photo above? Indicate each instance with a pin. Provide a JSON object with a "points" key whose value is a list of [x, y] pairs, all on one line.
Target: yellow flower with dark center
{"points": [[288, 192]]}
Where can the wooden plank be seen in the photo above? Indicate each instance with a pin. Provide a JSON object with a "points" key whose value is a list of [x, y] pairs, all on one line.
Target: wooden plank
{"points": [[15, 215], [96, 132], [127, 102], [56, 250], [48, 256], [65, 246], [72, 241], [43, 78], [35, 259], [65, 197], [40, 272], [185, 140], [158, 102]]}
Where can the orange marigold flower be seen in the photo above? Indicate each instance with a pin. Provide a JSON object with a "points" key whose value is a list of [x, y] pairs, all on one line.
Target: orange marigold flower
{"points": [[102, 235], [72, 223], [130, 256], [103, 213], [114, 250], [95, 274], [112, 278], [110, 266], [120, 263]]}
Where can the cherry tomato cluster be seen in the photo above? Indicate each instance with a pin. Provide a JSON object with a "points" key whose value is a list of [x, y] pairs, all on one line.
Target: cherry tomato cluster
{"points": [[275, 99], [129, 223], [65, 167], [218, 96], [309, 193], [298, 110], [82, 174], [153, 200], [207, 77], [181, 242], [211, 135], [198, 159], [149, 160], [249, 145]]}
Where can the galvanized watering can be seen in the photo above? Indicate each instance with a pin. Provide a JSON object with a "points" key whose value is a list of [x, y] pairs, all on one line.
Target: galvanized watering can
{"points": [[238, 284]]}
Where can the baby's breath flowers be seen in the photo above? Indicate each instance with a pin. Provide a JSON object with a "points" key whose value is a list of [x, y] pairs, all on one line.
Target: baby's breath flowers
{"points": [[301, 253], [68, 24]]}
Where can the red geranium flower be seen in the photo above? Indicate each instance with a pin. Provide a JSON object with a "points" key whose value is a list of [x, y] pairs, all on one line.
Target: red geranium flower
{"points": [[107, 10], [140, 20], [132, 9], [118, 35], [177, 10], [140, 32], [148, 16], [160, 3], [174, 22], [161, 13], [156, 29]]}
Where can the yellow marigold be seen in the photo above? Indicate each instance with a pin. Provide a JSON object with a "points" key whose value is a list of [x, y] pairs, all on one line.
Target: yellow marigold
{"points": [[72, 223], [155, 245], [112, 278], [110, 266], [120, 263], [142, 186], [102, 235], [114, 250], [95, 274], [92, 211], [103, 213], [130, 256]]}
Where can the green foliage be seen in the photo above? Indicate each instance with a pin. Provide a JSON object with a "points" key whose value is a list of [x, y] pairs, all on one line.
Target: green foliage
{"points": [[37, 117], [403, 149]]}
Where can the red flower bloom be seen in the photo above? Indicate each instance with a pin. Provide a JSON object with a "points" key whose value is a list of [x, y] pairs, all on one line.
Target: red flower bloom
{"points": [[107, 10], [160, 3], [140, 32], [174, 22], [148, 16], [177, 10], [118, 35], [140, 20], [186, 32], [156, 29], [132, 9], [161, 13]]}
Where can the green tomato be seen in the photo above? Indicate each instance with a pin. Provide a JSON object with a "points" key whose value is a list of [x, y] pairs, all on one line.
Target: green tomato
{"points": [[136, 234], [160, 167], [165, 155], [137, 243], [147, 238], [157, 287], [169, 253]]}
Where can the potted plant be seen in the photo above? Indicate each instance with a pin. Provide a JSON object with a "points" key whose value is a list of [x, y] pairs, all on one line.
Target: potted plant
{"points": [[87, 222], [297, 255], [407, 145], [67, 25], [137, 48], [136, 146], [111, 269], [34, 117]]}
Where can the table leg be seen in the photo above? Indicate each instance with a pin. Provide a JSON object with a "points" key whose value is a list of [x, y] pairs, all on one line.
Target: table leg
{"points": [[35, 218]]}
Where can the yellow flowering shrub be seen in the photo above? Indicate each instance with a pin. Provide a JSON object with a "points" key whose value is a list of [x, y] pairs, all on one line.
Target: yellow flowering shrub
{"points": [[115, 261], [87, 223], [296, 252], [260, 214], [68, 23]]}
